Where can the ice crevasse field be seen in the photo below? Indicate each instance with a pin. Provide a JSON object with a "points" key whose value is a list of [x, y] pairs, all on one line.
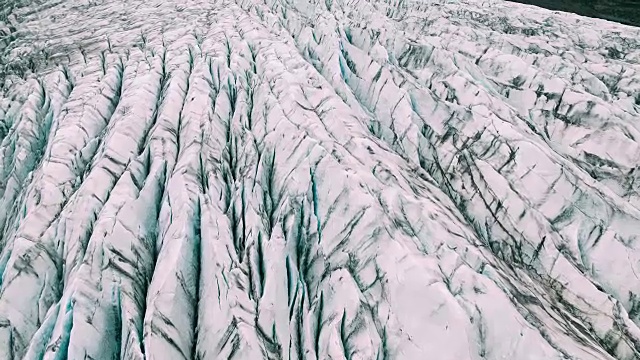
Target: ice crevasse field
{"points": [[303, 179]]}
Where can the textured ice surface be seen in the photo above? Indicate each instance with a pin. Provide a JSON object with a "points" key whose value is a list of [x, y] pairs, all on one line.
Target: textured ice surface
{"points": [[336, 179]]}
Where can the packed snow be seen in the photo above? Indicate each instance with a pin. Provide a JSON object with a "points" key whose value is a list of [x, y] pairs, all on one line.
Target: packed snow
{"points": [[303, 179]]}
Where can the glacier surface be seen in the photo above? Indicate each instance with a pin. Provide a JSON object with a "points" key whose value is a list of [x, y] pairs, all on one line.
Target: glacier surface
{"points": [[304, 179]]}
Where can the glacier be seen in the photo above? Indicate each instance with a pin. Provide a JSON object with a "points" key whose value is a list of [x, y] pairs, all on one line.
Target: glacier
{"points": [[303, 179]]}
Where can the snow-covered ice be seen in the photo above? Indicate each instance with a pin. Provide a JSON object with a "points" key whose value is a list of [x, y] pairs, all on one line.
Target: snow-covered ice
{"points": [[303, 179]]}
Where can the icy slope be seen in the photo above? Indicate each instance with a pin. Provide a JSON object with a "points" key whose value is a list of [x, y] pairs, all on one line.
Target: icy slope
{"points": [[317, 180]]}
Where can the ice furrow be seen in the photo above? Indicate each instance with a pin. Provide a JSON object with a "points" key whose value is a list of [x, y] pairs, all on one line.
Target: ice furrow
{"points": [[44, 200]]}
